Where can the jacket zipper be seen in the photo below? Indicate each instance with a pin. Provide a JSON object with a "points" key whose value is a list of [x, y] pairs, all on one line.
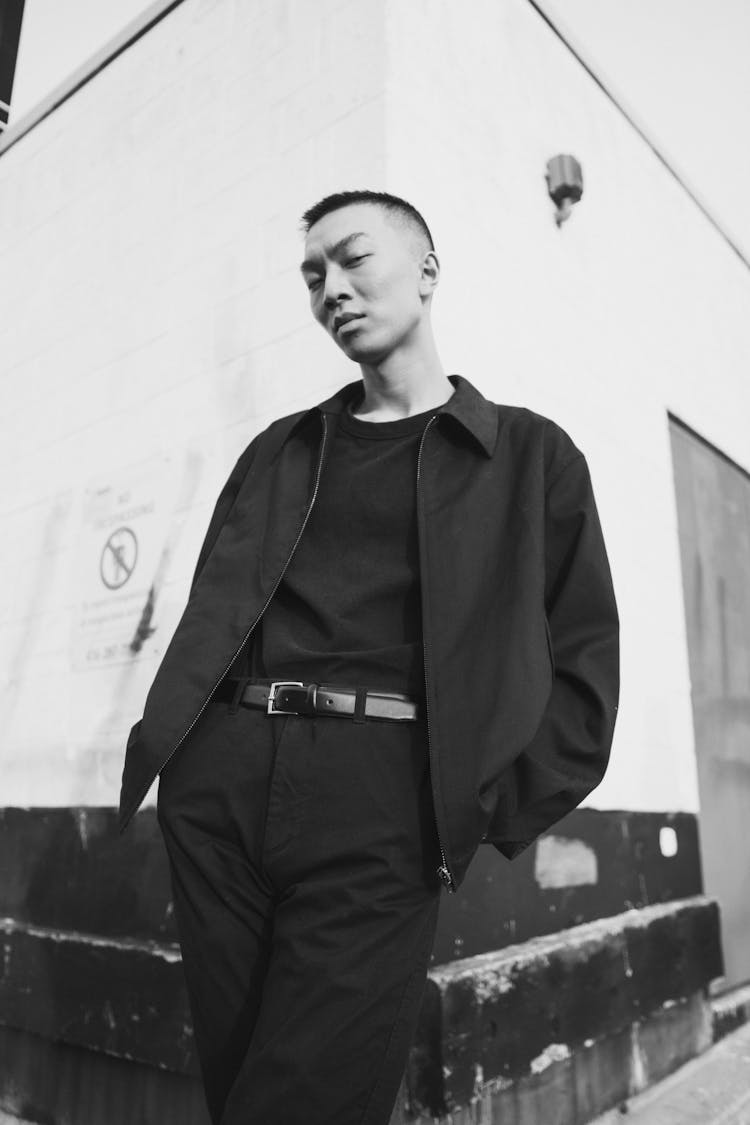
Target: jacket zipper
{"points": [[444, 872], [245, 639]]}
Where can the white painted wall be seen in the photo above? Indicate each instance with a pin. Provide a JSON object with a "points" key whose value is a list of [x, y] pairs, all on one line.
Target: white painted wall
{"points": [[155, 320], [636, 306]]}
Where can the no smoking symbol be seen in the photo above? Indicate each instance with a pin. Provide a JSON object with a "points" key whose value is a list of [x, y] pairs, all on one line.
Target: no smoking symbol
{"points": [[118, 558]]}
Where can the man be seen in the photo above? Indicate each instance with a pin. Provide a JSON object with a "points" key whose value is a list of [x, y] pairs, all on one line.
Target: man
{"points": [[400, 641]]}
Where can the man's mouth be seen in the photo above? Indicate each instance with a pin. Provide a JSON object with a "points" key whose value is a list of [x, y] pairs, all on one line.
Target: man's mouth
{"points": [[341, 321]]}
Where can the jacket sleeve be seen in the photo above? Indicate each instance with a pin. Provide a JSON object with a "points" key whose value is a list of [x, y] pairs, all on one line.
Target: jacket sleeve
{"points": [[568, 755], [223, 506]]}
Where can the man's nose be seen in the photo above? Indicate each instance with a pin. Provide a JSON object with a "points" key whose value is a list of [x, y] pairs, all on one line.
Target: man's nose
{"points": [[336, 286]]}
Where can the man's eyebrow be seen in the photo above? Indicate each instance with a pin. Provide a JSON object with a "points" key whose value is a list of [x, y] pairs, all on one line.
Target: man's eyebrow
{"points": [[342, 244]]}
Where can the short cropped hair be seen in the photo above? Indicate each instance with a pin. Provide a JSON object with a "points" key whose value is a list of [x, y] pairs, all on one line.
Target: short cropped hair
{"points": [[396, 209]]}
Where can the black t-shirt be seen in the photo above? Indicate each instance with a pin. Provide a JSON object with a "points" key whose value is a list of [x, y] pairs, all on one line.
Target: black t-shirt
{"points": [[348, 608]]}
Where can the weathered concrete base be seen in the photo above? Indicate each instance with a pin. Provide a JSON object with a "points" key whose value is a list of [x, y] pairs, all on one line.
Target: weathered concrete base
{"points": [[554, 1030], [122, 997], [730, 1011], [57, 1084], [572, 1090], [562, 1028]]}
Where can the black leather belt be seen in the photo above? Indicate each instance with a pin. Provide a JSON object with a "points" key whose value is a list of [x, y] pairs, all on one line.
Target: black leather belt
{"points": [[289, 697]]}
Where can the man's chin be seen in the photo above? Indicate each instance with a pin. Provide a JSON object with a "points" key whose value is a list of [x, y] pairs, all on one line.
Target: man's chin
{"points": [[359, 353], [362, 351]]}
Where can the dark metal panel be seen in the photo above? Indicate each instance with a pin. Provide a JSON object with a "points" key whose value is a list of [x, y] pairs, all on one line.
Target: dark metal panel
{"points": [[713, 508]]}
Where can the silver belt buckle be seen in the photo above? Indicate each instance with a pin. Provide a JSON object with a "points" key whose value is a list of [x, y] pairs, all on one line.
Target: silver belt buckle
{"points": [[270, 709]]}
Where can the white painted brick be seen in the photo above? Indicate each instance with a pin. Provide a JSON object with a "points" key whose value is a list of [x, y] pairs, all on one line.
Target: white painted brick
{"points": [[153, 307], [624, 313]]}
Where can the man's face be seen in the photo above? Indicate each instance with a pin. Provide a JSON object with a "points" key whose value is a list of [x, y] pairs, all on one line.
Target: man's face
{"points": [[358, 263]]}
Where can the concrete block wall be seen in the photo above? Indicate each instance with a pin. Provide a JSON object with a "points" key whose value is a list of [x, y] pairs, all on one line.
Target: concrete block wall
{"points": [[562, 1027], [153, 321], [634, 307]]}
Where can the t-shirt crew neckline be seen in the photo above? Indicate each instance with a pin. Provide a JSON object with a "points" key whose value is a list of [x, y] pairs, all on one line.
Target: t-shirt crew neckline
{"points": [[397, 427]]}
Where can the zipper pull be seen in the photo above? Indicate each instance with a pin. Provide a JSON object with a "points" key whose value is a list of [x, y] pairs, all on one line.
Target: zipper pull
{"points": [[445, 876]]}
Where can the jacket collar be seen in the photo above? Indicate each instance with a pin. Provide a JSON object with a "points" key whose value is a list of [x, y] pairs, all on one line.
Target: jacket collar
{"points": [[471, 410]]}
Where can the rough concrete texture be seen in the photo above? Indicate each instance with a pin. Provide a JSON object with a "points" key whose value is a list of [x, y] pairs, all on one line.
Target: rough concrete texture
{"points": [[570, 1090], [569, 1087], [120, 996], [532, 1013], [54, 1083], [730, 1011], [711, 1090]]}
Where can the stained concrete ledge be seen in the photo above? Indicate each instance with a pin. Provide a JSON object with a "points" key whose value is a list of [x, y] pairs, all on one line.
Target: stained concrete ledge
{"points": [[54, 1083], [90, 943], [554, 1030], [122, 997], [730, 1011], [564, 1026]]}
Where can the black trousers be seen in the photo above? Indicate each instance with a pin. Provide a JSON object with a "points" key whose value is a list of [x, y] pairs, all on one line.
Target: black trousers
{"points": [[303, 854]]}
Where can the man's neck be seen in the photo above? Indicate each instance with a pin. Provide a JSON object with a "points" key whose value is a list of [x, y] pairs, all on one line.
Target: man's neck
{"points": [[393, 395]]}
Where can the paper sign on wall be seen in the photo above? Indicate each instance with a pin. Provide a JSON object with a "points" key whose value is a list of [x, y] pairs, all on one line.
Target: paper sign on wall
{"points": [[125, 522]]}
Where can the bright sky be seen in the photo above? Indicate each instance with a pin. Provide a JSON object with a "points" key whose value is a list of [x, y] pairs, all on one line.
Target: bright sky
{"points": [[680, 67], [682, 70], [57, 38]]}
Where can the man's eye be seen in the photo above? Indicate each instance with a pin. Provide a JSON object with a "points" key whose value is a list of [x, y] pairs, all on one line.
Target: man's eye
{"points": [[313, 284], [353, 261]]}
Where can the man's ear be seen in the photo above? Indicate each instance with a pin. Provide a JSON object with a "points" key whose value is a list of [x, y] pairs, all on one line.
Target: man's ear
{"points": [[429, 273]]}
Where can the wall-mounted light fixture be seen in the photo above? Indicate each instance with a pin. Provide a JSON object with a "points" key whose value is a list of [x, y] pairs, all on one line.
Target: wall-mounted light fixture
{"points": [[564, 184]]}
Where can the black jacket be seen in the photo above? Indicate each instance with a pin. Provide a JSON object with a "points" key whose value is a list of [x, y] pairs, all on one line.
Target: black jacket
{"points": [[519, 619]]}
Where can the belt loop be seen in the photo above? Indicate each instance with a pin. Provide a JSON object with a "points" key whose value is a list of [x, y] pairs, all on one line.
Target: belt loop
{"points": [[239, 691], [311, 695], [359, 705]]}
